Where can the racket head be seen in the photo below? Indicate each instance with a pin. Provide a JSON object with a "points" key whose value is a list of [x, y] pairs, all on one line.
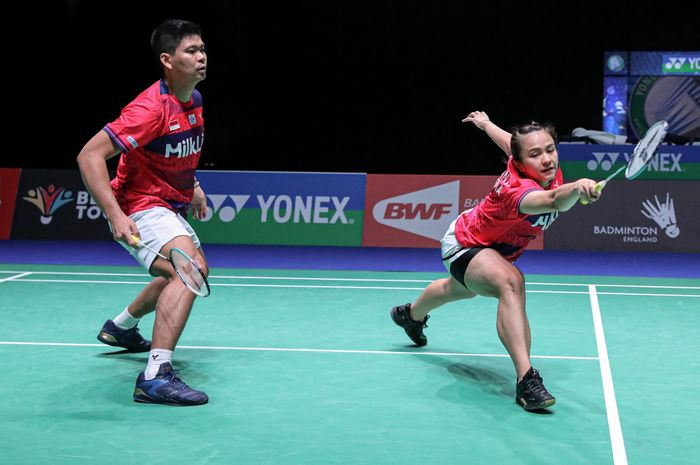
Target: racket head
{"points": [[645, 149], [189, 272]]}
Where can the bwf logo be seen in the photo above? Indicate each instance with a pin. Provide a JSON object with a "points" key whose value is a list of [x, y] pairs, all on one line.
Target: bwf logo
{"points": [[427, 212], [663, 214]]}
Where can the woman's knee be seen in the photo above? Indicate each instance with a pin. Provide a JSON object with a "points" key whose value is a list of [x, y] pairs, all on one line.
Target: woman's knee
{"points": [[512, 281]]}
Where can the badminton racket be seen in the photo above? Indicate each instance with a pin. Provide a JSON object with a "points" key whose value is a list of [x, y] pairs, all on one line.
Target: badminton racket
{"points": [[643, 152], [186, 268]]}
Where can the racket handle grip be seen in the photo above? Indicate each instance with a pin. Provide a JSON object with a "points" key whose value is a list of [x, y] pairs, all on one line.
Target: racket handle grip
{"points": [[598, 189]]}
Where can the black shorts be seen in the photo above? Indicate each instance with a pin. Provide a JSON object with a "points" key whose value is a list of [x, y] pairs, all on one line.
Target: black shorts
{"points": [[459, 266]]}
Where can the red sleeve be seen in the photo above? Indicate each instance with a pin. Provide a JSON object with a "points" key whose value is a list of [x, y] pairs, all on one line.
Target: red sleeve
{"points": [[138, 124]]}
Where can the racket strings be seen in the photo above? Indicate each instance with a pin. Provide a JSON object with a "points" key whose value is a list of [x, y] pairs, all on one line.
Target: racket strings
{"points": [[189, 272], [645, 150]]}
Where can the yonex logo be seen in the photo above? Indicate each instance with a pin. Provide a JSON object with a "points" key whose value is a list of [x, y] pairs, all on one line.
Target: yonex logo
{"points": [[226, 206], [48, 200], [674, 63], [426, 212], [307, 209], [604, 160], [663, 214], [665, 162], [681, 64]]}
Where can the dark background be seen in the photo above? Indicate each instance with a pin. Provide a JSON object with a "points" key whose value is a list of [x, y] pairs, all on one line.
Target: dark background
{"points": [[376, 86]]}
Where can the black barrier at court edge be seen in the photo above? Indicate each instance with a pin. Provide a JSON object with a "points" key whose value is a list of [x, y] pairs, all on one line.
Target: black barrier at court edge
{"points": [[54, 204], [641, 215]]}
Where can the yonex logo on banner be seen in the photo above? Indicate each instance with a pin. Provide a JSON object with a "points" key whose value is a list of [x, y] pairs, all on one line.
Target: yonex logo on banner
{"points": [[307, 209], [48, 200], [226, 206], [427, 212], [681, 64], [604, 160], [663, 214], [665, 162]]}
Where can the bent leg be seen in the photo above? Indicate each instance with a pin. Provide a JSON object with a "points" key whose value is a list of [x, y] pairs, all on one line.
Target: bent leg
{"points": [[489, 274], [145, 302], [438, 293], [175, 301]]}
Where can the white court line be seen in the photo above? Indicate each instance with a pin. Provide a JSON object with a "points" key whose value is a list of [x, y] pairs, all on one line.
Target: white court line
{"points": [[311, 278], [304, 349], [13, 278], [617, 442], [307, 286]]}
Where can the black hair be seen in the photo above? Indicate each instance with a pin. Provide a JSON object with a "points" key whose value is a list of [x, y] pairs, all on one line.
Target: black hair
{"points": [[519, 131], [168, 35]]}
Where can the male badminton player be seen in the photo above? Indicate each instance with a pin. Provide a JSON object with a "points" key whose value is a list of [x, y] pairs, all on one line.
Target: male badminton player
{"points": [[159, 138], [480, 246]]}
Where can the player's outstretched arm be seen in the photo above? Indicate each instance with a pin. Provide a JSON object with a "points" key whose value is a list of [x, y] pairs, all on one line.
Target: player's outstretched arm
{"points": [[560, 199], [481, 120]]}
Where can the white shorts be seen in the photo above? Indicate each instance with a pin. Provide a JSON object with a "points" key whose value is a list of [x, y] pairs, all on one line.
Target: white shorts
{"points": [[451, 250], [158, 226]]}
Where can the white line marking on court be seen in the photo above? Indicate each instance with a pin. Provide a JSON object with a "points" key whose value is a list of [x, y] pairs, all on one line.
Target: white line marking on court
{"points": [[311, 278], [306, 286], [648, 295], [617, 442], [307, 278], [13, 278], [80, 273], [304, 349], [641, 286]]}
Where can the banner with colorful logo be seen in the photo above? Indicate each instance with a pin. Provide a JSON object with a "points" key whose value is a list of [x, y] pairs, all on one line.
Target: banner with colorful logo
{"points": [[647, 216], [54, 204], [282, 208], [9, 179], [416, 210], [595, 161]]}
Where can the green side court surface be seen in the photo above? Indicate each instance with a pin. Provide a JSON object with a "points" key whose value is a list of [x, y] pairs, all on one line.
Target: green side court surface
{"points": [[306, 367]]}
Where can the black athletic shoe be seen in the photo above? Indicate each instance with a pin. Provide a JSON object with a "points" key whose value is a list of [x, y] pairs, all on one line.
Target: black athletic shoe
{"points": [[530, 392], [129, 339], [414, 329]]}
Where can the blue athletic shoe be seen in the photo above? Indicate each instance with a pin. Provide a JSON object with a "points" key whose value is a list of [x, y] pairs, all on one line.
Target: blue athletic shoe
{"points": [[129, 339], [168, 389]]}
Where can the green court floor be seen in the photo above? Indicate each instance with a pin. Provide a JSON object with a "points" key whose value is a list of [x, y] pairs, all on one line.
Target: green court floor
{"points": [[306, 367]]}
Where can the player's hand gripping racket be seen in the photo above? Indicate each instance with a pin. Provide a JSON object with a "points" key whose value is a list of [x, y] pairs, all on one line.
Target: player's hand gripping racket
{"points": [[186, 268], [641, 156]]}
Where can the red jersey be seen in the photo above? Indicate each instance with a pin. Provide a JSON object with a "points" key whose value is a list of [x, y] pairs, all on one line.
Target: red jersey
{"points": [[497, 222], [161, 141]]}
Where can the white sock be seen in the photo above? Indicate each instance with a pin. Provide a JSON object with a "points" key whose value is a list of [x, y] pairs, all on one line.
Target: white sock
{"points": [[156, 357], [125, 320]]}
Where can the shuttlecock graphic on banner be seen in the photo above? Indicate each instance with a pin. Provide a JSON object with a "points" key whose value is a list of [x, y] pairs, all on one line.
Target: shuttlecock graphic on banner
{"points": [[663, 214]]}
